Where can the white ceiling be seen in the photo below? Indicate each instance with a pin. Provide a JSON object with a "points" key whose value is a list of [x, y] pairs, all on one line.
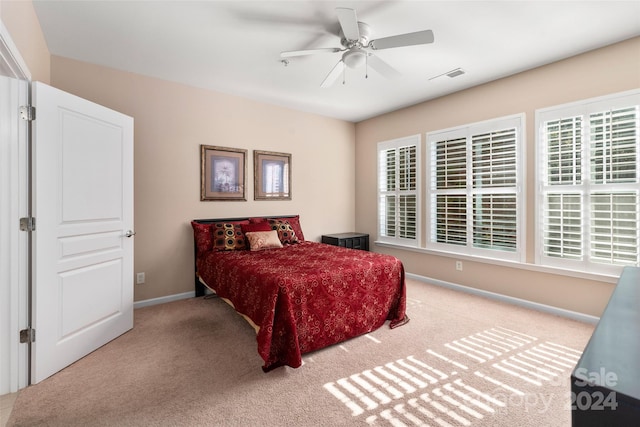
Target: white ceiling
{"points": [[234, 46]]}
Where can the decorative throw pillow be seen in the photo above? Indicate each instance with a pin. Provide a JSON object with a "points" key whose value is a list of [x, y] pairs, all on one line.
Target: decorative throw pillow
{"points": [[295, 224], [258, 226], [228, 237], [260, 240], [285, 231], [202, 236]]}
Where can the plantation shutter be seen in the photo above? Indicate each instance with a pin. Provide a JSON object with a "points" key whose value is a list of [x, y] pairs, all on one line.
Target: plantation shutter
{"points": [[398, 190], [614, 161], [474, 183], [494, 188], [563, 218], [589, 186], [563, 225], [389, 205], [450, 168]]}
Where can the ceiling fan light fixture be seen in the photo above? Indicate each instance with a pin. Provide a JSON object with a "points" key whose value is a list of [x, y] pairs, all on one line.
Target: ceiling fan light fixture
{"points": [[354, 58], [356, 45]]}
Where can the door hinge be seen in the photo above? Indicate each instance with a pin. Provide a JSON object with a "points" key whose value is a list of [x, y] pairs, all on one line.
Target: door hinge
{"points": [[27, 335], [28, 113], [28, 223]]}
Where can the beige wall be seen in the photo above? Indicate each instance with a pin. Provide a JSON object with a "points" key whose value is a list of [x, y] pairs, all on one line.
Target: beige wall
{"points": [[21, 21], [171, 121], [612, 69]]}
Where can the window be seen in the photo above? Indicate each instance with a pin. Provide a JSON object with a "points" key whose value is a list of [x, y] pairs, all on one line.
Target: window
{"points": [[274, 173], [398, 190], [474, 181], [588, 175]]}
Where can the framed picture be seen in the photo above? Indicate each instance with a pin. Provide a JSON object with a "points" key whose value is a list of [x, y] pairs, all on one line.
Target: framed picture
{"points": [[272, 175], [223, 172]]}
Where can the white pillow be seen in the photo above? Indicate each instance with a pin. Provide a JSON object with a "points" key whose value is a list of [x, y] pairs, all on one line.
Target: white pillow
{"points": [[259, 240]]}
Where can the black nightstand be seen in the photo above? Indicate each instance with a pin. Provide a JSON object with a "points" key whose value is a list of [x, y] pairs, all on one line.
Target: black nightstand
{"points": [[348, 240]]}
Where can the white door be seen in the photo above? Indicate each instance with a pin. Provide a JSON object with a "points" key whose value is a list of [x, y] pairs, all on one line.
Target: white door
{"points": [[83, 249]]}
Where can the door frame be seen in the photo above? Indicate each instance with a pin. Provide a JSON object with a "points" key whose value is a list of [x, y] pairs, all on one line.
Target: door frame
{"points": [[16, 365]]}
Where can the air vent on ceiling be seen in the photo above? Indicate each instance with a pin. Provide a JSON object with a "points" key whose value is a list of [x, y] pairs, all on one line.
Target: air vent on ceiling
{"points": [[453, 73]]}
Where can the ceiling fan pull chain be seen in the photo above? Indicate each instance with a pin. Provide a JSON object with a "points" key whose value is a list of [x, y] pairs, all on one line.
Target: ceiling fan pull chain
{"points": [[343, 75], [366, 66]]}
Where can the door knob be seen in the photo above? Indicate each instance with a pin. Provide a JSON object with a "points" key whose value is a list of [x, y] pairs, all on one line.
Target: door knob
{"points": [[130, 233]]}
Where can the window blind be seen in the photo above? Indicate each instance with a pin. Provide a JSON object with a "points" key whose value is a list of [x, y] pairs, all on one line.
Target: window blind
{"points": [[398, 190], [474, 183], [449, 164], [494, 159], [589, 187]]}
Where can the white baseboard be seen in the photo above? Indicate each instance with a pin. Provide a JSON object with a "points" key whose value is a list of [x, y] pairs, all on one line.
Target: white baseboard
{"points": [[162, 300], [581, 317], [574, 315]]}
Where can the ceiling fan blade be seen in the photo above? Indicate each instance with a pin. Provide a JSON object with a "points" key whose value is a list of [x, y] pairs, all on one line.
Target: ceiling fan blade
{"points": [[291, 53], [409, 39], [348, 22], [333, 74], [382, 67]]}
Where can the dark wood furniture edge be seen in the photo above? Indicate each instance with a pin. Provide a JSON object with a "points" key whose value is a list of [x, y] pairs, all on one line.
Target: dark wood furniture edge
{"points": [[605, 384], [335, 238]]}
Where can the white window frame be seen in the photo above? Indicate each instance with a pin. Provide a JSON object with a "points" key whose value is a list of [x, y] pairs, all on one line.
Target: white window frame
{"points": [[466, 131], [413, 140], [580, 108]]}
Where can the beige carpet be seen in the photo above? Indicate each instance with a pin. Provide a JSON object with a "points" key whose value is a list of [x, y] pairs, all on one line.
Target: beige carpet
{"points": [[461, 361]]}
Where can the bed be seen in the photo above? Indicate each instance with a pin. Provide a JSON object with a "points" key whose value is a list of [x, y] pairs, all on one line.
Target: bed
{"points": [[299, 295]]}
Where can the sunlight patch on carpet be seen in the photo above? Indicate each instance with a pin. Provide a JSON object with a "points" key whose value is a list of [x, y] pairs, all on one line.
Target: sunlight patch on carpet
{"points": [[375, 340], [413, 302], [466, 380]]}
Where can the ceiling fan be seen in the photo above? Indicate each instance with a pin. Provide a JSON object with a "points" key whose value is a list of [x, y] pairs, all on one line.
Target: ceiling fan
{"points": [[356, 46]]}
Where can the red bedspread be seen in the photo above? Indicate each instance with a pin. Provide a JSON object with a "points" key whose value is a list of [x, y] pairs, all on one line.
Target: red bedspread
{"points": [[307, 296]]}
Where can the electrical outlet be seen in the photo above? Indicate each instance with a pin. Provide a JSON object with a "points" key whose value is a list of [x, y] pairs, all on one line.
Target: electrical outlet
{"points": [[459, 265], [139, 278]]}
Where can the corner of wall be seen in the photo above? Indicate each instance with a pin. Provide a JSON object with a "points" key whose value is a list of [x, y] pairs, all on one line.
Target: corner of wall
{"points": [[21, 20]]}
